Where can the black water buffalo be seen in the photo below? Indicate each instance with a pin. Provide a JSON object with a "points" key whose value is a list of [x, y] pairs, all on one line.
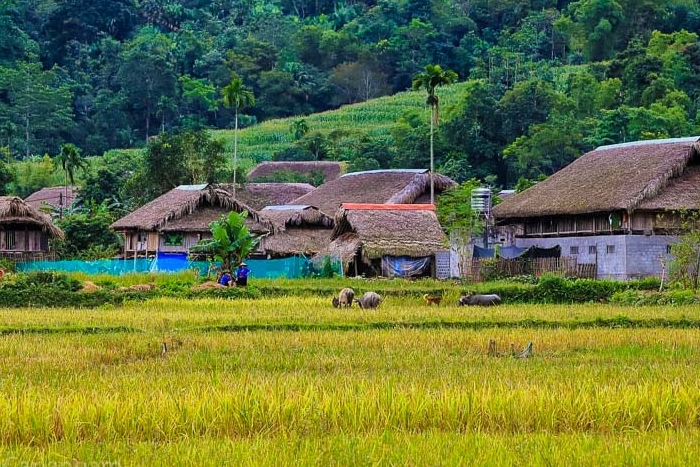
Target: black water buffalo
{"points": [[479, 299], [370, 300]]}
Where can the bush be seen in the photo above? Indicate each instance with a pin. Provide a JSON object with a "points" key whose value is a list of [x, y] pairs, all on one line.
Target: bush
{"points": [[647, 298], [42, 279]]}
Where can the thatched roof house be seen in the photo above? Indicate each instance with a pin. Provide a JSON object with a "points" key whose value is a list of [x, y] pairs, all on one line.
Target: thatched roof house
{"points": [[617, 208], [180, 218], [399, 186], [365, 233], [181, 202], [54, 197], [268, 170], [299, 230], [23, 229], [621, 177], [259, 195]]}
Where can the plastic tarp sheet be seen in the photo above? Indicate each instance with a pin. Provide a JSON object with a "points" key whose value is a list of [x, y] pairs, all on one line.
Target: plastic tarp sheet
{"points": [[480, 252], [510, 252], [537, 252], [292, 267], [404, 266]]}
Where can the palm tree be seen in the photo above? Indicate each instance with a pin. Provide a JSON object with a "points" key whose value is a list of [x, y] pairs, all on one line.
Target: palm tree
{"points": [[430, 79], [70, 159], [236, 96]]}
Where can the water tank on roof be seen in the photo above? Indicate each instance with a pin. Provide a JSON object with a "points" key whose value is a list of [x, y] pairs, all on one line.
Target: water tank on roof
{"points": [[481, 201]]}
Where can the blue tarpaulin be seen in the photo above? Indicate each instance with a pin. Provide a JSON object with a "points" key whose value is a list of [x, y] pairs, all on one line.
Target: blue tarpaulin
{"points": [[293, 267], [404, 266]]}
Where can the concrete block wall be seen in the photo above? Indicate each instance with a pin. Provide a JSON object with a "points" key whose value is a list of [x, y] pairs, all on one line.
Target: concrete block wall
{"points": [[617, 256], [644, 253]]}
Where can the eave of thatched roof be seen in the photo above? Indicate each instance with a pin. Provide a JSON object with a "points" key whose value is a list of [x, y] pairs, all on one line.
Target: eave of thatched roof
{"points": [[385, 231], [330, 170], [178, 203], [375, 186], [291, 215], [298, 230], [259, 195], [344, 247], [297, 241], [200, 218], [14, 211], [55, 196], [682, 193], [611, 178]]}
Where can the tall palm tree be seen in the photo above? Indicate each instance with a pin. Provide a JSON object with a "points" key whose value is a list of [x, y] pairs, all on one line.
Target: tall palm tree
{"points": [[236, 96], [71, 159], [430, 79]]}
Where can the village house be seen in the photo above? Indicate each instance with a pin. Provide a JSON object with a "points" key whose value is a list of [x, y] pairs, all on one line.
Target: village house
{"points": [[298, 230], [24, 231], [391, 240], [617, 207], [53, 200], [273, 171], [391, 186], [177, 220]]}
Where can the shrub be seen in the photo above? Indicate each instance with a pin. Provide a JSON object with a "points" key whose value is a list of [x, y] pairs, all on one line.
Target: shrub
{"points": [[37, 279]]}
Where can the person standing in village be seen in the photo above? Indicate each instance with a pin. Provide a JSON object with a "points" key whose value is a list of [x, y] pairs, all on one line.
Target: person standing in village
{"points": [[242, 275]]}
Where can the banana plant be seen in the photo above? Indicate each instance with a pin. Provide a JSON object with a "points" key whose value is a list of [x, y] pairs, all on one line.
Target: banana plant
{"points": [[231, 240]]}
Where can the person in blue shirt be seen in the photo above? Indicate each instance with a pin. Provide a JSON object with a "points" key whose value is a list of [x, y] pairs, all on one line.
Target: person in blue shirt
{"points": [[226, 279], [242, 275]]}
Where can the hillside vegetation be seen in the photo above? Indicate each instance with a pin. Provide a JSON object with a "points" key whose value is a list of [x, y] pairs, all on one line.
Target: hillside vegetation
{"points": [[539, 84]]}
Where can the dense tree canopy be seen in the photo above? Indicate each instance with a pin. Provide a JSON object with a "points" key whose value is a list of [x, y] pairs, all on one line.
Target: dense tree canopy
{"points": [[548, 80]]}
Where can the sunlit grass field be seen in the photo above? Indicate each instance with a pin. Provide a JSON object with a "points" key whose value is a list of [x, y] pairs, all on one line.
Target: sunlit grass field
{"points": [[293, 381]]}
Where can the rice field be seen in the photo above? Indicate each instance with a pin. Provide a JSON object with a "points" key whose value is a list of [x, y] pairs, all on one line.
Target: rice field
{"points": [[293, 381]]}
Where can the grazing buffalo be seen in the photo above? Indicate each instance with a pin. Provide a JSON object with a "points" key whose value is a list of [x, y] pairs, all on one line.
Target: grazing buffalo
{"points": [[479, 299], [369, 300], [344, 298]]}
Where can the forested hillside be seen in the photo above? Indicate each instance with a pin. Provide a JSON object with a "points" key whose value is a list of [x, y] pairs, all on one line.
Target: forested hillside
{"points": [[540, 81]]}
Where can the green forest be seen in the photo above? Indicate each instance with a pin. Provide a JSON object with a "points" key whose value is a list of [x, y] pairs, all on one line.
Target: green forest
{"points": [[538, 84]]}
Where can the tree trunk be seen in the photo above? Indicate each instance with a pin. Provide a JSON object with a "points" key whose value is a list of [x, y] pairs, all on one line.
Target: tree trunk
{"points": [[235, 150], [432, 164]]}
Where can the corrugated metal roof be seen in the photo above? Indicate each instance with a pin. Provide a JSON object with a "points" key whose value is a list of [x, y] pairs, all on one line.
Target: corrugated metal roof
{"points": [[388, 207], [377, 171], [689, 139]]}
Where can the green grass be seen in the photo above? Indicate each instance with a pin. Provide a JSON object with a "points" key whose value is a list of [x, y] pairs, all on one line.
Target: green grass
{"points": [[398, 393]]}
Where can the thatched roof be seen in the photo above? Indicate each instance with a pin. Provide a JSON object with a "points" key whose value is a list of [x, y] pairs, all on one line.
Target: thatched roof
{"points": [[55, 196], [610, 178], [402, 186], [682, 192], [298, 230], [259, 195], [378, 230], [291, 215], [176, 206], [15, 212], [330, 170]]}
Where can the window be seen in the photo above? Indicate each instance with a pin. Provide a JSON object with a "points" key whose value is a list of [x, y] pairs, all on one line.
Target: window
{"points": [[610, 249], [573, 250], [592, 250], [175, 239], [10, 242]]}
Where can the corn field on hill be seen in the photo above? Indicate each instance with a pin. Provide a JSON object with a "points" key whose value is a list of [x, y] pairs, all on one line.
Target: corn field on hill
{"points": [[373, 118]]}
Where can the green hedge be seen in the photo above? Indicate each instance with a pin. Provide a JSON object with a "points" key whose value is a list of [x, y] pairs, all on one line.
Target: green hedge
{"points": [[56, 289]]}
